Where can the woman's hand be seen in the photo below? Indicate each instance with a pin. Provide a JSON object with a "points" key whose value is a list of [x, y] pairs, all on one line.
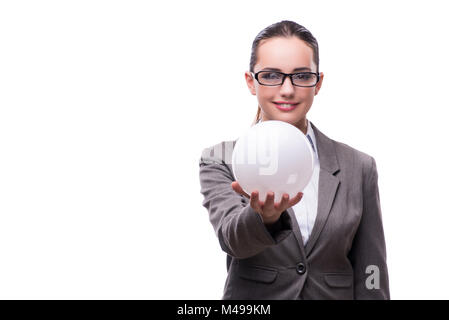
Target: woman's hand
{"points": [[268, 210]]}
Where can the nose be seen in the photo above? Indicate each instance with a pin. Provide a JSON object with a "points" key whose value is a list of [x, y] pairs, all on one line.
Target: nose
{"points": [[287, 87]]}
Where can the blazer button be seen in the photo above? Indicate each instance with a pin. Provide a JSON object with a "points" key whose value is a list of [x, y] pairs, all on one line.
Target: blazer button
{"points": [[301, 268]]}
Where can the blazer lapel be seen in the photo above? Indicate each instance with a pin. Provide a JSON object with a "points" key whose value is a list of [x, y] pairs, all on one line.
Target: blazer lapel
{"points": [[327, 185], [296, 231]]}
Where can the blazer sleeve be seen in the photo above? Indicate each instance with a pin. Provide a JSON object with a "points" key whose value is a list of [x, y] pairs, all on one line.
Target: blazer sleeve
{"points": [[368, 251], [240, 229]]}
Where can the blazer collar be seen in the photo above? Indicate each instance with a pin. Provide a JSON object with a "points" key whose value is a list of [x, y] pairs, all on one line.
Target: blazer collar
{"points": [[326, 151]]}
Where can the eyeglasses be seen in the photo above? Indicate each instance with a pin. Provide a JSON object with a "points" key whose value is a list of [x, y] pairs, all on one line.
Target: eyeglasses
{"points": [[299, 79]]}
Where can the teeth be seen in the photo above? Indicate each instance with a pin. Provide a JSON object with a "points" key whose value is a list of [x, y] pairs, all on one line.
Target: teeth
{"points": [[285, 105]]}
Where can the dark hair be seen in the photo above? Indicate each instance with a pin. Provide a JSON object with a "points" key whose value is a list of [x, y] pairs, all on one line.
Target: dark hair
{"points": [[284, 29]]}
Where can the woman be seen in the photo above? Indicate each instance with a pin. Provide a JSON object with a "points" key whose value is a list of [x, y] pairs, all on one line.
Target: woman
{"points": [[327, 242]]}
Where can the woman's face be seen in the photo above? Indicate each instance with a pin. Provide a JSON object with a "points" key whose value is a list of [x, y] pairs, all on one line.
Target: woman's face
{"points": [[285, 54]]}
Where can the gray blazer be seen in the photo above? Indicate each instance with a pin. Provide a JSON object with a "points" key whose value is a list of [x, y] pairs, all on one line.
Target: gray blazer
{"points": [[345, 256]]}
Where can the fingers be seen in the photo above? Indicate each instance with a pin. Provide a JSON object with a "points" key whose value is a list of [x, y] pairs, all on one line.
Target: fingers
{"points": [[254, 202], [269, 204], [237, 188], [272, 210], [283, 204], [296, 199], [269, 201]]}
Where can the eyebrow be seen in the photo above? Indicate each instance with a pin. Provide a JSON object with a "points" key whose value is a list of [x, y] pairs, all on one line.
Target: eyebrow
{"points": [[296, 69]]}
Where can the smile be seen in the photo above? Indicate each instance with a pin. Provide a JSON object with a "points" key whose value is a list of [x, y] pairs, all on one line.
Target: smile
{"points": [[286, 106]]}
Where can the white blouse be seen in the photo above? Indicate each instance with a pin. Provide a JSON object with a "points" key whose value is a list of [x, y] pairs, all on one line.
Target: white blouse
{"points": [[306, 209]]}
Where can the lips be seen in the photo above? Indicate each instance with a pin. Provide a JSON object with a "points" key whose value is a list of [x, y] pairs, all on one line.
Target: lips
{"points": [[285, 106]]}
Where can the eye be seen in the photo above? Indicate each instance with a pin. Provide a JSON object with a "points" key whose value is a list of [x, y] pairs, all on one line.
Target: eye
{"points": [[303, 76], [270, 75]]}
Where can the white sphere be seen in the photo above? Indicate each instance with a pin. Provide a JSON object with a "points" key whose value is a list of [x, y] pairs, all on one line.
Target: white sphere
{"points": [[273, 156]]}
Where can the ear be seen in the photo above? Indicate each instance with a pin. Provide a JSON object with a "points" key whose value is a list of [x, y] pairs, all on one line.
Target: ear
{"points": [[250, 82], [318, 85]]}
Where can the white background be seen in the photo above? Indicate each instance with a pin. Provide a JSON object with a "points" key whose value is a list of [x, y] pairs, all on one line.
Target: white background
{"points": [[105, 107]]}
